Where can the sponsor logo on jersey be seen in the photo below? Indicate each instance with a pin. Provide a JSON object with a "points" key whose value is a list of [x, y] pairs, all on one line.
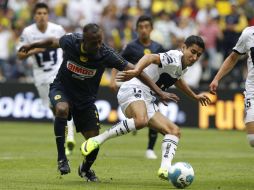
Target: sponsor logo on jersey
{"points": [[82, 71], [147, 51], [57, 97]]}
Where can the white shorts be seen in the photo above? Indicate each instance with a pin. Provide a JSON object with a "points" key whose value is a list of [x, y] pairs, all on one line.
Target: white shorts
{"points": [[43, 91], [127, 95], [248, 107]]}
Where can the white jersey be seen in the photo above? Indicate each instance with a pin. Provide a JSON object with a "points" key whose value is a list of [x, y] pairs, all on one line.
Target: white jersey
{"points": [[47, 63], [245, 44], [165, 74]]}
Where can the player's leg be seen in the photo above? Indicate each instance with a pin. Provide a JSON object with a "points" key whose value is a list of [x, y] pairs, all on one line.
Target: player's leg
{"points": [[249, 118], [70, 141], [136, 119], [61, 109], [43, 91], [134, 107], [87, 122], [250, 133], [152, 137], [169, 144]]}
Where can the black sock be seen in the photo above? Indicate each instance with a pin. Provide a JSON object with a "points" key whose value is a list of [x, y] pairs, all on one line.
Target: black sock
{"points": [[90, 160], [59, 128], [152, 135]]}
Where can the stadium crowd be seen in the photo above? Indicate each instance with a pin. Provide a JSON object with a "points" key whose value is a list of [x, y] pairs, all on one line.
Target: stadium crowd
{"points": [[218, 22]]}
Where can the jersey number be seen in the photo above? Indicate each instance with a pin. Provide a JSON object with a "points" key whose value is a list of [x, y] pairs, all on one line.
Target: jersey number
{"points": [[252, 54], [46, 59]]}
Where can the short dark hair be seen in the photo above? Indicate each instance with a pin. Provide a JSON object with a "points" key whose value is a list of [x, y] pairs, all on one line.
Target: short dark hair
{"points": [[39, 6], [91, 27], [195, 40], [144, 18]]}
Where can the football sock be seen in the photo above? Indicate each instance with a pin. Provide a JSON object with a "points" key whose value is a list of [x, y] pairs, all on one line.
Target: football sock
{"points": [[70, 134], [89, 160], [59, 129], [152, 136], [121, 128], [168, 147]]}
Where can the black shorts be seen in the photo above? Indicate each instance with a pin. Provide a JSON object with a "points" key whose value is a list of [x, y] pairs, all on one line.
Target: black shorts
{"points": [[87, 119], [84, 120]]}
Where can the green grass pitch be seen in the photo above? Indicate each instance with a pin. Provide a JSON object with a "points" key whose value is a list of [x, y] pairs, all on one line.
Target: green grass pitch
{"points": [[221, 160]]}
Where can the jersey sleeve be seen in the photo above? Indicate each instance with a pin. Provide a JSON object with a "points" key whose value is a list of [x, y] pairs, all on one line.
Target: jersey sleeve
{"points": [[65, 41], [23, 40], [240, 46], [116, 61], [167, 58], [126, 53]]}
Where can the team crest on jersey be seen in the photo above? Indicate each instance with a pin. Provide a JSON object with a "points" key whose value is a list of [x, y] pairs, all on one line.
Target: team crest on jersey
{"points": [[57, 97], [147, 51], [83, 58], [81, 71]]}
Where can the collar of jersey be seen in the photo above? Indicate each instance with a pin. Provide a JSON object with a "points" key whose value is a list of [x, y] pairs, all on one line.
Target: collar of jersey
{"points": [[82, 48]]}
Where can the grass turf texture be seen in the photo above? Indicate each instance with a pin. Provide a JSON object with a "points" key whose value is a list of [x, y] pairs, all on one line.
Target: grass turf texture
{"points": [[221, 160]]}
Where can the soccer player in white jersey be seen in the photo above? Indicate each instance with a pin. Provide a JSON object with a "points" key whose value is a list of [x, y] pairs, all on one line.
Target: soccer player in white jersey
{"points": [[245, 44], [46, 61], [137, 100]]}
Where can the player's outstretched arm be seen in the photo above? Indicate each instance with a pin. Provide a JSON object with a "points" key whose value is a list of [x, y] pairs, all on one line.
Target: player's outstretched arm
{"points": [[145, 61], [47, 43], [202, 98], [113, 85], [226, 67]]}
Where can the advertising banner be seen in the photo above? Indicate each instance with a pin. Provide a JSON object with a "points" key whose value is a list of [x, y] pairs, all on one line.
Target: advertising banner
{"points": [[20, 102]]}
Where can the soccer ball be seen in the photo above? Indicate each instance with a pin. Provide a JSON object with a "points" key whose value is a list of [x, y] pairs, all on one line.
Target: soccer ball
{"points": [[181, 174]]}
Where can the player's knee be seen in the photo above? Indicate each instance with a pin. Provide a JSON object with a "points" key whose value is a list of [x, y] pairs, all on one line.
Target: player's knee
{"points": [[250, 138], [176, 131], [173, 131], [141, 122], [62, 110]]}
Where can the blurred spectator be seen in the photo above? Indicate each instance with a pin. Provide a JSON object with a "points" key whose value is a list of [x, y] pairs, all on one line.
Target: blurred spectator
{"points": [[208, 11], [210, 32], [165, 26], [5, 39], [184, 28], [173, 21]]}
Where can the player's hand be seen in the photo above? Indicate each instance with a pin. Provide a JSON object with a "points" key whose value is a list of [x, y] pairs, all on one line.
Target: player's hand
{"points": [[25, 48], [203, 99], [165, 97], [213, 86], [127, 75]]}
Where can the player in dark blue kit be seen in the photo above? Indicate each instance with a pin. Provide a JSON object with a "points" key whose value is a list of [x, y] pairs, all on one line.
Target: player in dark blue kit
{"points": [[75, 87], [134, 51]]}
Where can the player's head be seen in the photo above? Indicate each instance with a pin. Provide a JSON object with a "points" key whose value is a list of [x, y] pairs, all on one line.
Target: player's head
{"points": [[92, 38], [193, 48], [144, 27], [41, 13]]}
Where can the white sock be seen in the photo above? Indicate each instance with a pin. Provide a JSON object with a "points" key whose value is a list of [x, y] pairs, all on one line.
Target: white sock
{"points": [[168, 147], [119, 129], [70, 128]]}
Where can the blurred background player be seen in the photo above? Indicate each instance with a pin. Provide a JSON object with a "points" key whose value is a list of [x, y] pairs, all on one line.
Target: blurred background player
{"points": [[134, 51], [137, 100], [243, 46], [46, 60]]}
